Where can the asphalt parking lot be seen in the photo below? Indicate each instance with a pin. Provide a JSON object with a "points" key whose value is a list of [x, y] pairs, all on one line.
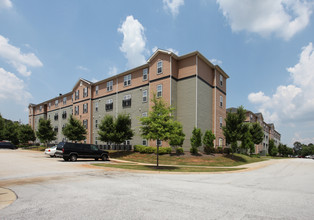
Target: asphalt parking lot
{"points": [[48, 188]]}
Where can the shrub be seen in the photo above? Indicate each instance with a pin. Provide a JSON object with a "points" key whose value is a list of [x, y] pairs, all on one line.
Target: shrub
{"points": [[179, 150], [193, 150], [227, 150], [209, 149], [219, 150], [163, 150], [138, 148], [149, 150]]}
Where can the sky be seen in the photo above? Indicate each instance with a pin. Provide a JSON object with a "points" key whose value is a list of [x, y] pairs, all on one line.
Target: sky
{"points": [[265, 46]]}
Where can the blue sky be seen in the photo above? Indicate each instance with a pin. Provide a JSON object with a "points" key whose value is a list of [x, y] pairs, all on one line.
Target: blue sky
{"points": [[265, 46]]}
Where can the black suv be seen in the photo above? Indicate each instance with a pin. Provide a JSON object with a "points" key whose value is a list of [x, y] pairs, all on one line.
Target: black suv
{"points": [[72, 151], [8, 145]]}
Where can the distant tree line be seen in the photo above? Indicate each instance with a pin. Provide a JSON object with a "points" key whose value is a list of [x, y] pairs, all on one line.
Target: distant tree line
{"points": [[303, 149]]}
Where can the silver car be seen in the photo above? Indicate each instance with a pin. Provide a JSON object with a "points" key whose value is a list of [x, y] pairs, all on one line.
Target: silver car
{"points": [[51, 151]]}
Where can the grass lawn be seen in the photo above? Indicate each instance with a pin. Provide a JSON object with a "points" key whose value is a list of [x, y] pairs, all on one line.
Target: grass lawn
{"points": [[35, 148], [167, 168], [218, 160]]}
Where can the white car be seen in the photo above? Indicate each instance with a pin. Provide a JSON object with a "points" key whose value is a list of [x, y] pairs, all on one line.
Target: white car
{"points": [[51, 151]]}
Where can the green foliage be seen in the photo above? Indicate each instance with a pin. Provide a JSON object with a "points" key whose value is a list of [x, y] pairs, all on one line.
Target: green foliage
{"points": [[208, 141], [257, 133], [297, 147], [272, 149], [26, 134], [193, 150], [149, 150], [227, 150], [233, 129], [284, 151], [307, 150], [196, 140], [179, 151], [219, 150], [1, 128], [10, 131], [177, 136], [74, 130], [247, 139], [45, 132], [106, 129]]}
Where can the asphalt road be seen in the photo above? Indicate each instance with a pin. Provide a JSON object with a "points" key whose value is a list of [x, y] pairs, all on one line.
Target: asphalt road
{"points": [[48, 188]]}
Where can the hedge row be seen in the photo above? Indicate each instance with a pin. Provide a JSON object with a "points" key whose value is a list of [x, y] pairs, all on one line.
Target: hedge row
{"points": [[149, 150]]}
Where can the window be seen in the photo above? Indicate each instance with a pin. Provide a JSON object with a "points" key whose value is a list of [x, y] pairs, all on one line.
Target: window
{"points": [[76, 112], [77, 94], [40, 108], [72, 97], [221, 101], [127, 142], [220, 122], [126, 102], [158, 143], [127, 80], [56, 129], [63, 126], [96, 138], [85, 92], [97, 88], [109, 105], [64, 114], [145, 95], [221, 79], [159, 91], [85, 123], [96, 123], [144, 114], [64, 100], [56, 117], [110, 85], [145, 74], [159, 67], [144, 142], [220, 142], [56, 103], [85, 108], [96, 106], [49, 105]]}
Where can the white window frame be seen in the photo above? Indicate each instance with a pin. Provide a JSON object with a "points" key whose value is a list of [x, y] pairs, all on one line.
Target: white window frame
{"points": [[85, 92], [110, 86], [220, 142], [40, 108], [159, 90], [49, 105], [160, 141], [56, 103], [85, 108], [96, 124], [76, 110], [221, 80], [144, 99], [220, 122], [127, 80], [144, 142], [221, 101], [159, 67], [144, 114], [96, 90], [145, 74], [109, 101], [64, 100], [127, 97]]}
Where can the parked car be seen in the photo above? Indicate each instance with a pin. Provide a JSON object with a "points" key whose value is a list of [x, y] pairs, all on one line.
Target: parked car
{"points": [[72, 151], [8, 145], [51, 151]]}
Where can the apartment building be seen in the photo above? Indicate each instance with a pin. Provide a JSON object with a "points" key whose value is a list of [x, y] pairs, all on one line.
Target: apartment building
{"points": [[190, 83], [268, 129]]}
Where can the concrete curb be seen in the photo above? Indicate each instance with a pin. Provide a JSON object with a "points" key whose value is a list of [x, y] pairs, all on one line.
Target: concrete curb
{"points": [[7, 197]]}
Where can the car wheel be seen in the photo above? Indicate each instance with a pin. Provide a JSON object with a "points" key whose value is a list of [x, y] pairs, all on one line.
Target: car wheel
{"points": [[51, 155], [104, 157], [65, 158], [73, 157], [96, 158]]}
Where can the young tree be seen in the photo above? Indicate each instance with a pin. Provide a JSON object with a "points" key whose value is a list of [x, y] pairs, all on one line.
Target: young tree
{"points": [[1, 128], [106, 129], [246, 139], [10, 131], [45, 132], [272, 149], [208, 141], [158, 124], [257, 133], [26, 134], [122, 129], [196, 140], [177, 137], [74, 130], [233, 129], [297, 147]]}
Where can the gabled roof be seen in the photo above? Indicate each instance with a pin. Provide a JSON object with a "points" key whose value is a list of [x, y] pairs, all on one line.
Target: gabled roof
{"points": [[84, 80]]}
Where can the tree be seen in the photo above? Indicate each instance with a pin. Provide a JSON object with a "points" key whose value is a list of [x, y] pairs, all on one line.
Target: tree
{"points": [[247, 139], [45, 132], [196, 140], [122, 129], [208, 141], [177, 137], [158, 124], [74, 130], [257, 133], [26, 134], [297, 147], [2, 123], [272, 149], [10, 131], [233, 130], [283, 150], [106, 129]]}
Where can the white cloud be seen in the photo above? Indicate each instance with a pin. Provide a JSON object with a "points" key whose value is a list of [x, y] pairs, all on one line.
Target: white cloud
{"points": [[113, 71], [216, 61], [82, 68], [13, 88], [134, 41], [5, 4], [284, 18], [94, 80], [291, 105], [173, 6], [16, 58]]}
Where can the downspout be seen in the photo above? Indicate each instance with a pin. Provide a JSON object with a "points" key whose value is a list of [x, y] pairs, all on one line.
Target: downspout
{"points": [[196, 79]]}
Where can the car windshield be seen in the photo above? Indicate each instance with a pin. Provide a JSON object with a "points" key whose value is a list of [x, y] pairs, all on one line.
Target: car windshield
{"points": [[60, 145]]}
